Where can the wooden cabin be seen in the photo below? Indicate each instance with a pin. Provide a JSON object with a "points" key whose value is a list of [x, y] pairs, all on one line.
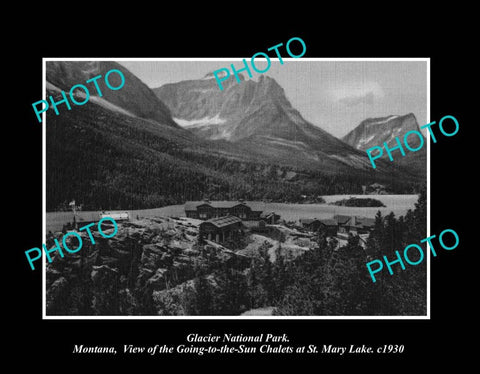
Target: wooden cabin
{"points": [[271, 218], [354, 225], [329, 226], [340, 225], [256, 226], [221, 229], [206, 210]]}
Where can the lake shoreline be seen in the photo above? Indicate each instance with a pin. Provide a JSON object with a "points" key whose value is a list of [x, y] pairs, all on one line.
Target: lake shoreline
{"points": [[398, 204]]}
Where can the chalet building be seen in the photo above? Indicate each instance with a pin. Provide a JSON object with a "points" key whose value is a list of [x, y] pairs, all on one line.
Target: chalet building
{"points": [[221, 229], [206, 210], [329, 226], [270, 218], [340, 225], [355, 225], [256, 226], [377, 189]]}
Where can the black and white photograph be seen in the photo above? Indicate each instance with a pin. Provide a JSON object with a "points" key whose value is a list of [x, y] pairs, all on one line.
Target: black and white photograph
{"points": [[200, 188], [234, 192]]}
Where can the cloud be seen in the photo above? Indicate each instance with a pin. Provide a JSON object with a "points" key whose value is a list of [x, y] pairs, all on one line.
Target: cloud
{"points": [[355, 93]]}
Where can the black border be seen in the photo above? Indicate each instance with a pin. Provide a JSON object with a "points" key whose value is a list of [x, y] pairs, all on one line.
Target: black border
{"points": [[438, 338]]}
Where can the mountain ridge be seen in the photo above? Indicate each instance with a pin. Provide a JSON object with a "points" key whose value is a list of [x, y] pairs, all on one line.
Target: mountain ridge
{"points": [[261, 114], [145, 104], [375, 131], [381, 128], [252, 108]]}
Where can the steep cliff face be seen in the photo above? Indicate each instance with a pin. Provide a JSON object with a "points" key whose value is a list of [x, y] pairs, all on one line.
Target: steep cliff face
{"points": [[242, 111], [258, 116], [375, 131]]}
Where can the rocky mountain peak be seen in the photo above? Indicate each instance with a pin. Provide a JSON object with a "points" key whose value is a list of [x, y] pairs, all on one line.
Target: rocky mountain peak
{"points": [[374, 131], [134, 97]]}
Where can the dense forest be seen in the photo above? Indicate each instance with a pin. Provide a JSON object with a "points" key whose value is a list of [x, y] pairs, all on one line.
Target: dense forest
{"points": [[359, 202], [325, 281], [145, 273]]}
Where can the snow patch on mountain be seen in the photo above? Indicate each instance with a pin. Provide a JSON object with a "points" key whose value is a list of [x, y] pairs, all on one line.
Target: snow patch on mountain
{"points": [[95, 99], [285, 142], [384, 120], [103, 103], [52, 87], [223, 133], [211, 76], [110, 106], [394, 134], [363, 141], [205, 121], [352, 160]]}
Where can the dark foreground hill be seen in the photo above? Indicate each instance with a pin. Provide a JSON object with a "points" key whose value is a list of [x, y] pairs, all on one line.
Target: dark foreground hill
{"points": [[158, 266]]}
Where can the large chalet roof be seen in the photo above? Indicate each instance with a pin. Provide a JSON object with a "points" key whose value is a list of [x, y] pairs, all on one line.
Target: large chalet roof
{"points": [[223, 221], [341, 219], [325, 221], [193, 205], [328, 222], [366, 222], [268, 214]]}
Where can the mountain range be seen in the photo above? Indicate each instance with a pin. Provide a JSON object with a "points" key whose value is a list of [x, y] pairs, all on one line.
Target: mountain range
{"points": [[259, 116], [139, 147], [244, 111]]}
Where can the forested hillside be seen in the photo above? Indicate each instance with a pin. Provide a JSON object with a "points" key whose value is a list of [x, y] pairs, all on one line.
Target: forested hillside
{"points": [[105, 160]]}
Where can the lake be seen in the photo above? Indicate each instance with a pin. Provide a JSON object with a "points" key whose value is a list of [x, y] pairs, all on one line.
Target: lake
{"points": [[398, 204]]}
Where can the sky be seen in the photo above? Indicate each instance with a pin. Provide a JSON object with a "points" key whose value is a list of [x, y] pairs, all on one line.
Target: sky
{"points": [[334, 95]]}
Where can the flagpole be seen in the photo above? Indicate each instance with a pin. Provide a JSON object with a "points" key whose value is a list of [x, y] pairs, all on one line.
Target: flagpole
{"points": [[75, 224]]}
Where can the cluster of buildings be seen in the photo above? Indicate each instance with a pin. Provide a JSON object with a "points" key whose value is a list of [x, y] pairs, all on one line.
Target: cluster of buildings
{"points": [[227, 220], [207, 209], [340, 225]]}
